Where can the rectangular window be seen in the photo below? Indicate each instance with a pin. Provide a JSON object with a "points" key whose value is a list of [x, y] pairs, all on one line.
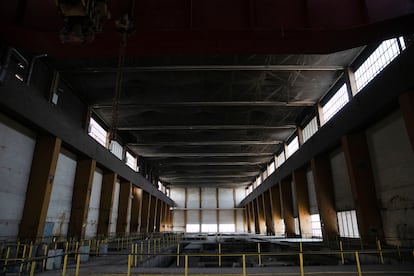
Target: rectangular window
{"points": [[336, 103], [310, 129], [116, 149], [316, 226], [131, 161], [97, 132], [297, 227], [280, 159], [386, 52], [209, 228], [227, 228], [347, 223], [271, 168], [192, 228], [293, 146]]}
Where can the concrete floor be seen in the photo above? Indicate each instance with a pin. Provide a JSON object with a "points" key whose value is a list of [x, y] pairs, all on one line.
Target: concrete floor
{"points": [[116, 264]]}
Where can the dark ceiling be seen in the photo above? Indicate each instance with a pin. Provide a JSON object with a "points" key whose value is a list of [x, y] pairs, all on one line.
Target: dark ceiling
{"points": [[211, 89]]}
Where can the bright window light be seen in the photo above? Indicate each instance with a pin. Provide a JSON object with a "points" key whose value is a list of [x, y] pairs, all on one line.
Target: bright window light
{"points": [[116, 149], [297, 227], [131, 161], [316, 226], [293, 146], [339, 100], [310, 129], [97, 132], [347, 223], [227, 228], [280, 159], [209, 228], [386, 52], [192, 228], [271, 168]]}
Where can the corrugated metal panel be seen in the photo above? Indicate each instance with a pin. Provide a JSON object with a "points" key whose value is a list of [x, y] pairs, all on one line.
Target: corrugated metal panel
{"points": [[208, 196], [226, 199], [93, 213], [240, 221], [177, 195], [193, 217], [193, 197], [209, 217], [240, 195], [178, 220], [226, 217]]}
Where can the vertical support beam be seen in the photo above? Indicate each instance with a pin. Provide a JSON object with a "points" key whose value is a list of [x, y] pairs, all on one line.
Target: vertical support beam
{"points": [[246, 225], [146, 202], [158, 215], [302, 198], [261, 215], [362, 181], [151, 218], [39, 188], [124, 192], [351, 83], [255, 216], [249, 218], [275, 203], [270, 229], [300, 135], [85, 170], [235, 210], [287, 203], [135, 209], [200, 210], [185, 207], [407, 109], [105, 205], [162, 216], [217, 210], [322, 176]]}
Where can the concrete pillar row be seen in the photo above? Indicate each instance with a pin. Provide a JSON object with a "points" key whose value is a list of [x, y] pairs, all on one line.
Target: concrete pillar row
{"points": [[145, 209], [270, 229], [39, 188], [362, 182], [275, 203], [85, 170], [124, 199], [106, 202], [322, 175], [287, 206], [302, 198], [135, 209]]}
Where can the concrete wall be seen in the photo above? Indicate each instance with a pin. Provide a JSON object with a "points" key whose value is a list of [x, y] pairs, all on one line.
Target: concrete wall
{"points": [[16, 153], [342, 187], [114, 215], [313, 203], [58, 213], [393, 165], [93, 213], [225, 213]]}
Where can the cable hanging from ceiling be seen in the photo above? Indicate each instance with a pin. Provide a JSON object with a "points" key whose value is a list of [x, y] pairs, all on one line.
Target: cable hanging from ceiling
{"points": [[125, 26]]}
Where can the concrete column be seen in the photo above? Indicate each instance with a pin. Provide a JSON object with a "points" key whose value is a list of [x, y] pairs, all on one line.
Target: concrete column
{"points": [[217, 209], [185, 207], [287, 204], [235, 210], [145, 207], [39, 188], [322, 175], [106, 202], [256, 216], [261, 215], [200, 206], [153, 209], [85, 170], [407, 109], [251, 218], [270, 229], [362, 181], [276, 210], [124, 192], [135, 209], [302, 198], [158, 215]]}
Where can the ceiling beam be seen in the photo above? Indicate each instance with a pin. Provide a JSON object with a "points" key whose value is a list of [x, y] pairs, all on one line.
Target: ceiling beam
{"points": [[205, 154], [213, 163], [217, 103], [205, 143], [193, 68], [204, 127]]}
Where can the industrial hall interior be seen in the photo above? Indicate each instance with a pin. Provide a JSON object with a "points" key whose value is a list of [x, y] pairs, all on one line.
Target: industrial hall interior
{"points": [[213, 137]]}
